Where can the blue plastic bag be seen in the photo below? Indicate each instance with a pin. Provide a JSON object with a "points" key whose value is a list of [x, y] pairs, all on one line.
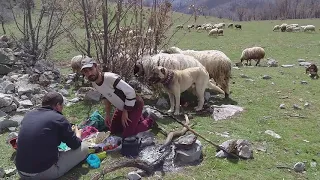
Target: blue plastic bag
{"points": [[93, 161]]}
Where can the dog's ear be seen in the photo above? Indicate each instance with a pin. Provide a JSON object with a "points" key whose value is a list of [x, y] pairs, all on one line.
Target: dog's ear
{"points": [[163, 70]]}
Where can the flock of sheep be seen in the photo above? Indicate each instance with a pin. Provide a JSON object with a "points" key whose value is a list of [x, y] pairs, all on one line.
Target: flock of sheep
{"points": [[294, 28], [211, 29]]}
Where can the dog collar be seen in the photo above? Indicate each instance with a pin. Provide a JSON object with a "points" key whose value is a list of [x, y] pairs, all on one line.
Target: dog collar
{"points": [[168, 80]]}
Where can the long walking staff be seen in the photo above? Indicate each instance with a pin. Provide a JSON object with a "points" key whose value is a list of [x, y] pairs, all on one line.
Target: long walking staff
{"points": [[197, 134]]}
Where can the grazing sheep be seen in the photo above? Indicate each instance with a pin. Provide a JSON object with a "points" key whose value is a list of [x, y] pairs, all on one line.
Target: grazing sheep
{"points": [[289, 28], [276, 28], [220, 32], [76, 67], [309, 28], [179, 27], [283, 27], [213, 32], [238, 26], [230, 25], [216, 63], [256, 53]]}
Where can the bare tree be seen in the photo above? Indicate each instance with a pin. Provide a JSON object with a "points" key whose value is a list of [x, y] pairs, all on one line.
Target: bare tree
{"points": [[40, 31]]}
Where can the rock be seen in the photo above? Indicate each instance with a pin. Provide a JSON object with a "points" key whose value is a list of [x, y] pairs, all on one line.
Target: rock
{"points": [[24, 97], [299, 167], [266, 77], [149, 109], [3, 44], [185, 142], [43, 65], [306, 104], [225, 111], [74, 100], [304, 82], [10, 108], [162, 102], [287, 66], [305, 64], [26, 103], [244, 76], [133, 176], [64, 92], [5, 123], [250, 80], [2, 114], [6, 56], [7, 86], [244, 149], [297, 107], [272, 63], [191, 155], [272, 83], [93, 96], [301, 60], [313, 163], [282, 106], [17, 118], [10, 172], [5, 100], [273, 134], [5, 69], [4, 38], [2, 173], [236, 68]]}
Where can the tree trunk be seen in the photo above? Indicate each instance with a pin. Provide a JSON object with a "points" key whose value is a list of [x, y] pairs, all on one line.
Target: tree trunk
{"points": [[106, 33], [84, 9]]}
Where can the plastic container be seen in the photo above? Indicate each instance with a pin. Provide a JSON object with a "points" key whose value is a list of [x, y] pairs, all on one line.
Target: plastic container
{"points": [[93, 161]]}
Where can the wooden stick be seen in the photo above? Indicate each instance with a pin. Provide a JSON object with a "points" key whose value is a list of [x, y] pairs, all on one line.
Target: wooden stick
{"points": [[197, 134]]}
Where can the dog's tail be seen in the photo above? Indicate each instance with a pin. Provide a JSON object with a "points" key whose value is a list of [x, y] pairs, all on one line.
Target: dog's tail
{"points": [[215, 88]]}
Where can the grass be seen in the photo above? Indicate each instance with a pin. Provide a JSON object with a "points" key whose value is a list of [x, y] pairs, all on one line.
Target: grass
{"points": [[260, 98]]}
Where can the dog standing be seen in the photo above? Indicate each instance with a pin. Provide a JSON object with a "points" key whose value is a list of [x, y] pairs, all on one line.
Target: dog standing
{"points": [[313, 71], [177, 81]]}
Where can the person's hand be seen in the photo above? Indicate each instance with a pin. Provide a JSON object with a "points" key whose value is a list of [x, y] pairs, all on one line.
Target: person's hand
{"points": [[76, 130], [124, 119]]}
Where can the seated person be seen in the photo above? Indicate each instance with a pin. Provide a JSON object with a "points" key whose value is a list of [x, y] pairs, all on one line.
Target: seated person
{"points": [[42, 130], [127, 118]]}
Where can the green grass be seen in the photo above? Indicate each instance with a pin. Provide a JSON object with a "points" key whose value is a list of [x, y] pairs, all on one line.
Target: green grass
{"points": [[260, 99]]}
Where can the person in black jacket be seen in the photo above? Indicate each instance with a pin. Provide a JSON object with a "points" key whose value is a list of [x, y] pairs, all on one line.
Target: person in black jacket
{"points": [[42, 130]]}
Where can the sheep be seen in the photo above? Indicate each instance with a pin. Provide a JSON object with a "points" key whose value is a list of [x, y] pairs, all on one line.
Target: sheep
{"points": [[179, 27], [312, 69], [76, 67], [283, 27], [309, 28], [276, 28], [238, 26], [216, 63], [213, 32], [220, 32], [296, 29], [289, 28], [256, 53], [144, 66], [230, 25]]}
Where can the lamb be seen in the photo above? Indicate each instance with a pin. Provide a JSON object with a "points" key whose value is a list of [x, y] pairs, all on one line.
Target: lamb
{"points": [[276, 28], [220, 32], [216, 63], [238, 26], [230, 25], [256, 53], [179, 27], [312, 69], [213, 32], [283, 27]]}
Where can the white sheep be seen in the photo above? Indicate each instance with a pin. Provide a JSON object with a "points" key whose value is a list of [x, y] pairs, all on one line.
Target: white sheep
{"points": [[213, 32], [144, 66], [309, 28], [216, 63], [276, 28], [256, 53], [76, 66]]}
